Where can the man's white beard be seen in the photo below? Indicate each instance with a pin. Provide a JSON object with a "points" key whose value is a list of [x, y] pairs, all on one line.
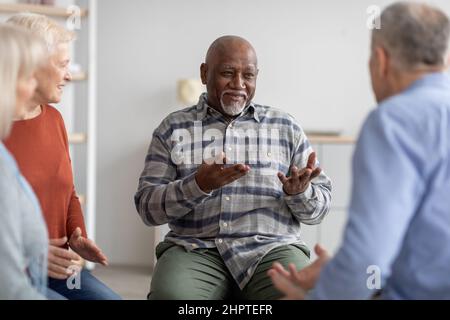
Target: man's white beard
{"points": [[234, 108]]}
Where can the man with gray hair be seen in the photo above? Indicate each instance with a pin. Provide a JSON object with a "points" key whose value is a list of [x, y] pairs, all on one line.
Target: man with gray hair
{"points": [[398, 231]]}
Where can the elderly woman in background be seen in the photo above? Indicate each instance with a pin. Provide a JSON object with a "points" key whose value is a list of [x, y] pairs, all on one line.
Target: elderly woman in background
{"points": [[23, 234], [39, 143]]}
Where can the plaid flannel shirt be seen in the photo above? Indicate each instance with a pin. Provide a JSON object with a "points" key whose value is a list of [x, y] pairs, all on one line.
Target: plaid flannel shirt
{"points": [[247, 218]]}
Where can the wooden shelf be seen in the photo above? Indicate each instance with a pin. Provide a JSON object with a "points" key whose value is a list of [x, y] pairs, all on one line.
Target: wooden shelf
{"points": [[319, 139], [77, 138], [36, 8], [79, 76]]}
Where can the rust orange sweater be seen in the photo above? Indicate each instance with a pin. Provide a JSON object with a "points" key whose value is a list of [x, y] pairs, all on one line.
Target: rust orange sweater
{"points": [[41, 149]]}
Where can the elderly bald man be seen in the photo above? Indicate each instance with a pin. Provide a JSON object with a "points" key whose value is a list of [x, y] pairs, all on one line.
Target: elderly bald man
{"points": [[398, 232], [234, 180]]}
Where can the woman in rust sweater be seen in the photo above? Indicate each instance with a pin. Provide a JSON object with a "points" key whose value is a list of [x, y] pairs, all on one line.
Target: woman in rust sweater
{"points": [[39, 143]]}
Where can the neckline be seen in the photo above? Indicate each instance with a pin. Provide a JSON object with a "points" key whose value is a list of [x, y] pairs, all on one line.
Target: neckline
{"points": [[433, 78], [39, 116]]}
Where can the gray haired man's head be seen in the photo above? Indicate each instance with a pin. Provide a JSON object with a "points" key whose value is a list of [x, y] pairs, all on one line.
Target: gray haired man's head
{"points": [[415, 35]]}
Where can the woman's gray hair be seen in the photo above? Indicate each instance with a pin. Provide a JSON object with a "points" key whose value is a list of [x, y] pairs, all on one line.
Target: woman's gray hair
{"points": [[414, 34], [51, 31], [20, 54]]}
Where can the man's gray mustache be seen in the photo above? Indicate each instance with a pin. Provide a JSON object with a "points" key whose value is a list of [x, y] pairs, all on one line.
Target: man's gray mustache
{"points": [[241, 93]]}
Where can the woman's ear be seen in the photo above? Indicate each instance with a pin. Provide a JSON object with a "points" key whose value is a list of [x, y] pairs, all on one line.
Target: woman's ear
{"points": [[204, 73]]}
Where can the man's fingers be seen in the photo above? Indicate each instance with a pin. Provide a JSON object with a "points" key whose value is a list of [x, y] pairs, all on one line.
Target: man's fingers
{"points": [[233, 177], [279, 268], [292, 270], [286, 287], [58, 242], [237, 168], [282, 178], [311, 161], [321, 252], [316, 172], [305, 176], [233, 173], [294, 172]]}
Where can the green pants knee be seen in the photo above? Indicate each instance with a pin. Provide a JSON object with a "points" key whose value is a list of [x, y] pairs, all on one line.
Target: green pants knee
{"points": [[201, 274]]}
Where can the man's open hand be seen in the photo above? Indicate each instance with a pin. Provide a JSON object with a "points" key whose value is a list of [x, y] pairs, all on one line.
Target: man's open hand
{"points": [[299, 180], [213, 174], [294, 284]]}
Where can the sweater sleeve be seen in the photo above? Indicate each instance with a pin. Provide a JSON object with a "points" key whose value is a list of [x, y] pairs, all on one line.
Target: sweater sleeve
{"points": [[75, 216], [14, 282]]}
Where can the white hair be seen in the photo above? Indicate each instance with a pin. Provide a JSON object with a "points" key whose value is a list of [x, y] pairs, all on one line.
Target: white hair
{"points": [[52, 32], [20, 54]]}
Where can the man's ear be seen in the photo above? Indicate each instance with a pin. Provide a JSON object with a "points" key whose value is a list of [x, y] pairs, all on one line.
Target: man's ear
{"points": [[383, 59], [204, 73]]}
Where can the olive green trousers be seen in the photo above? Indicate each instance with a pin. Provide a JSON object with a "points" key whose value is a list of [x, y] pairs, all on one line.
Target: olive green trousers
{"points": [[201, 274]]}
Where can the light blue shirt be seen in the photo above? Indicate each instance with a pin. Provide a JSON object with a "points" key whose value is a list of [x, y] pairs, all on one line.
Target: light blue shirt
{"points": [[399, 216], [23, 236]]}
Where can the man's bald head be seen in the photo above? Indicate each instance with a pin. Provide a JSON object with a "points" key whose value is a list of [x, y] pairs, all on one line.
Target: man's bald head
{"points": [[229, 72], [223, 45]]}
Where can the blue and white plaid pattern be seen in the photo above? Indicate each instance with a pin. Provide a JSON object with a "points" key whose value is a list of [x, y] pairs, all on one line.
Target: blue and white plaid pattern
{"points": [[247, 218]]}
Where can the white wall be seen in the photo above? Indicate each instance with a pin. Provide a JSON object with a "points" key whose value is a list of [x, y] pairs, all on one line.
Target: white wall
{"points": [[313, 63]]}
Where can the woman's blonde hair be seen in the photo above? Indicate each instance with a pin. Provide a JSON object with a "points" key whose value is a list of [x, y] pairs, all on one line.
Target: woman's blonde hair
{"points": [[20, 54], [51, 31]]}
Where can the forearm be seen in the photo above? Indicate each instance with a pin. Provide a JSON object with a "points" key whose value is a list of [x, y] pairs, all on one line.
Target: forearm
{"points": [[311, 206], [75, 218], [158, 204]]}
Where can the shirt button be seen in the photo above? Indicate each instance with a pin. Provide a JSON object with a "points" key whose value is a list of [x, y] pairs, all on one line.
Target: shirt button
{"points": [[225, 224], [220, 240], [230, 148], [269, 154], [227, 198]]}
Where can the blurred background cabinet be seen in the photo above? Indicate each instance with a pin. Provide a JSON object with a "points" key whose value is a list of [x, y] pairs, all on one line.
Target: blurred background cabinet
{"points": [[334, 155]]}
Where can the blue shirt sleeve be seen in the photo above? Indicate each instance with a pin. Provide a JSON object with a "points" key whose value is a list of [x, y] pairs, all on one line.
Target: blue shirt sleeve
{"points": [[387, 187]]}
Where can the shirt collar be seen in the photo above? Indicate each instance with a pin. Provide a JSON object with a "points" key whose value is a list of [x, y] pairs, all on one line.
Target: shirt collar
{"points": [[431, 79], [203, 109]]}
